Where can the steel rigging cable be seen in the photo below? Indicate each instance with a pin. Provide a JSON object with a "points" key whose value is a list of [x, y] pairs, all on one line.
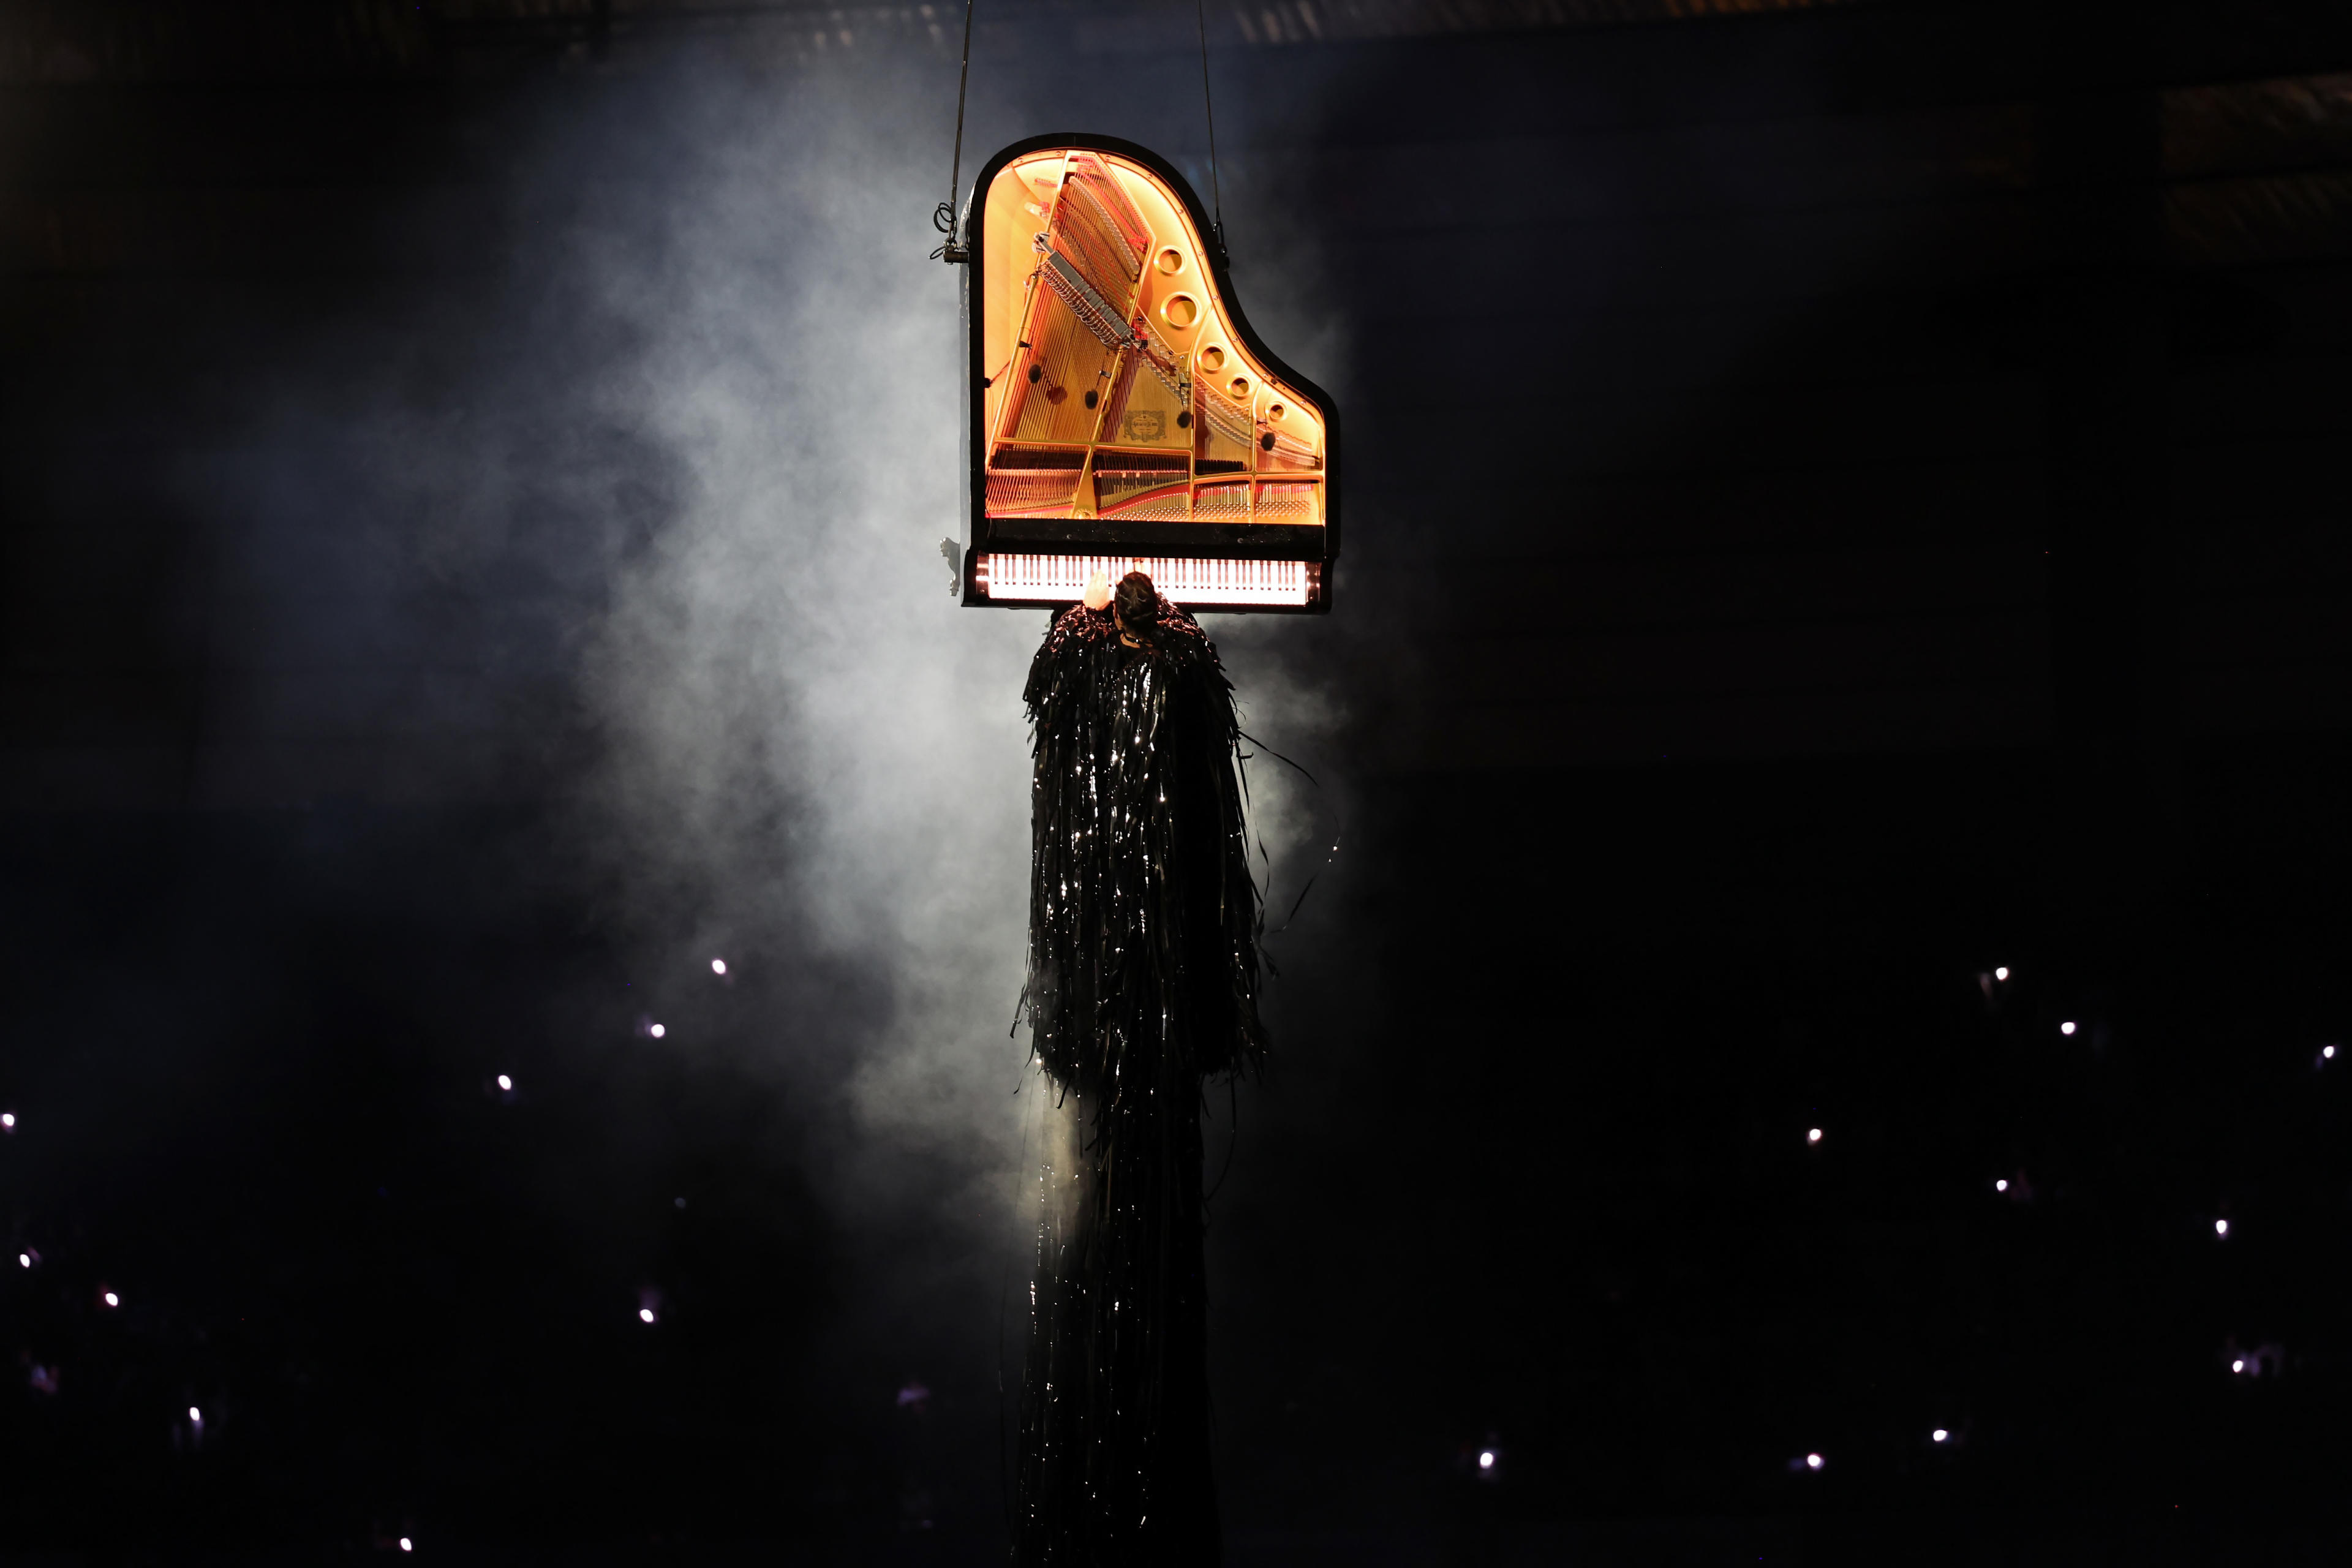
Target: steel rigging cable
{"points": [[943, 216], [1208, 105]]}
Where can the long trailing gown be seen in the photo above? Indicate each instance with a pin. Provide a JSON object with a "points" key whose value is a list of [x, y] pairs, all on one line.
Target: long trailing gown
{"points": [[1143, 976]]}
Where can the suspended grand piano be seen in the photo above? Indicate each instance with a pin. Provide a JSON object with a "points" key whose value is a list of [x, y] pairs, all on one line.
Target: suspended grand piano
{"points": [[1121, 414]]}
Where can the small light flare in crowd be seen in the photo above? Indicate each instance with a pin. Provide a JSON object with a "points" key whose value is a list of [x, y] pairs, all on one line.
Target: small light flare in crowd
{"points": [[24, 1260], [195, 1415], [505, 1084], [407, 1544], [2221, 1229], [1813, 1134], [7, 1121], [645, 1314], [2067, 1027], [1938, 1436], [110, 1298], [657, 1031], [1485, 1458], [2001, 1185], [2237, 1365], [2000, 971], [717, 966], [1814, 1462]]}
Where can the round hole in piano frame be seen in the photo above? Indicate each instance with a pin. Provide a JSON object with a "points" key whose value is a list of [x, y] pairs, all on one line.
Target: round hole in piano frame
{"points": [[1171, 260], [1180, 311], [1239, 388], [1276, 411], [1213, 359]]}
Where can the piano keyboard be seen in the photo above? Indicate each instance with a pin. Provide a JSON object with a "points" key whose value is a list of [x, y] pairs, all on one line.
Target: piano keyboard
{"points": [[1062, 579]]}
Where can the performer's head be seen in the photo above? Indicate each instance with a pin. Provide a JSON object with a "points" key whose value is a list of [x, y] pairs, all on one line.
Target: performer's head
{"points": [[1137, 605]]}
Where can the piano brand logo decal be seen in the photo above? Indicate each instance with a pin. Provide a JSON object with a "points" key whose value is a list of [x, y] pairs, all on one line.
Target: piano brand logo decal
{"points": [[1146, 424]]}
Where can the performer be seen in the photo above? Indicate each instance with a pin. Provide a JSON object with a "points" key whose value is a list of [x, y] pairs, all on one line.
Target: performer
{"points": [[1143, 975]]}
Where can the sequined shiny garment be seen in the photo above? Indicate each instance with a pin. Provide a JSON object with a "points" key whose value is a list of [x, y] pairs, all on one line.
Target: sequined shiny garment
{"points": [[1143, 980]]}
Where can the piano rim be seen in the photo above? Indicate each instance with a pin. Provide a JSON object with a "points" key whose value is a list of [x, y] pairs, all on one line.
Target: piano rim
{"points": [[979, 538]]}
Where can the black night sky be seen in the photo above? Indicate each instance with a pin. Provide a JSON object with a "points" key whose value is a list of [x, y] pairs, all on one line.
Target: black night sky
{"points": [[1818, 1028]]}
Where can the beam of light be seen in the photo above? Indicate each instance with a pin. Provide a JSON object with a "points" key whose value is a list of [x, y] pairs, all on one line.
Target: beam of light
{"points": [[2237, 1367], [2220, 1228], [2000, 971], [1813, 1134], [406, 1546], [1939, 1434], [645, 1314], [2001, 1186], [111, 1299], [1485, 1458], [2067, 1027], [1814, 1462], [907, 794], [9, 1118], [505, 1082], [195, 1415], [717, 966], [25, 1259], [2326, 1053]]}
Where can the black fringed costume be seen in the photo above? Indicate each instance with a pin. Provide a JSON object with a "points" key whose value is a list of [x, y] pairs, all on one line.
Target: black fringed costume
{"points": [[1142, 982]]}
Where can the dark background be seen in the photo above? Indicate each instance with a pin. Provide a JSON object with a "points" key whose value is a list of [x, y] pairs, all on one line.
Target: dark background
{"points": [[1842, 498]]}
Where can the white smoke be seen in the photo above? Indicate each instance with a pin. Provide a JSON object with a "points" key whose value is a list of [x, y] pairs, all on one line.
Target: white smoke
{"points": [[807, 736], [806, 733]]}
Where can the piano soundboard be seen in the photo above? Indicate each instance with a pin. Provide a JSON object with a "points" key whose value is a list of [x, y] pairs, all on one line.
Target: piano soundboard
{"points": [[1122, 414]]}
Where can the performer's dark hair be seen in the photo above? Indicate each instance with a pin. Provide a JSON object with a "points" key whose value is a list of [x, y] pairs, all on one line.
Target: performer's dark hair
{"points": [[1139, 602]]}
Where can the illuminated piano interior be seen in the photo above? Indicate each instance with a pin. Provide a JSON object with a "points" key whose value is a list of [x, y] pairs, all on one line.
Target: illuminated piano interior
{"points": [[1126, 424]]}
